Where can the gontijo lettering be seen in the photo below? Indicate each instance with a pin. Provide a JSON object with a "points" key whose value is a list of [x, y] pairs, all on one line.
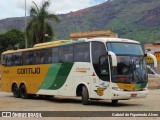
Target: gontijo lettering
{"points": [[28, 70]]}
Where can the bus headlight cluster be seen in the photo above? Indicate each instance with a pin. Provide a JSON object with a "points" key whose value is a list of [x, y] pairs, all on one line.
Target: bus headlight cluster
{"points": [[117, 88], [144, 89]]}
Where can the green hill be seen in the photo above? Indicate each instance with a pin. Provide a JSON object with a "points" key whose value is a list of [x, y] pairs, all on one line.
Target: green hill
{"points": [[134, 19]]}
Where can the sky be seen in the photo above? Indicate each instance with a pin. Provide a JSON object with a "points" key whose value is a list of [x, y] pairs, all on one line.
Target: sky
{"points": [[16, 8]]}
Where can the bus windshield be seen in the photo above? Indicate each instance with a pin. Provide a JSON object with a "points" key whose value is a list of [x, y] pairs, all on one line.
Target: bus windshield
{"points": [[125, 48], [131, 64]]}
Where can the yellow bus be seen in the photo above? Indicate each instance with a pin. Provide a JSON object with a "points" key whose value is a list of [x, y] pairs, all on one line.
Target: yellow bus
{"points": [[96, 68]]}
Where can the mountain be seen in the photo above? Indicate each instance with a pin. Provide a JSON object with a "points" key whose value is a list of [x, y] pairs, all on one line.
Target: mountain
{"points": [[133, 19]]}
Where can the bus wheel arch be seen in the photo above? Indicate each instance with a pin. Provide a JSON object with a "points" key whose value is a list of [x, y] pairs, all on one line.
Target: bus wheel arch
{"points": [[15, 90], [21, 84], [79, 90]]}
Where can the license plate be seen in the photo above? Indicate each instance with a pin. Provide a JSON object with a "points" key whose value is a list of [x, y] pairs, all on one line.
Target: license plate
{"points": [[133, 95]]}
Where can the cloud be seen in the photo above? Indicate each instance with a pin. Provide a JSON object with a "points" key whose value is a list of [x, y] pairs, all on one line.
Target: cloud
{"points": [[21, 3], [7, 9], [58, 6], [71, 5], [16, 8]]}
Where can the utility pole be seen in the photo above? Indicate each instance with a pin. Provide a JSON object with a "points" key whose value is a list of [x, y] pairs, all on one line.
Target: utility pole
{"points": [[25, 27]]}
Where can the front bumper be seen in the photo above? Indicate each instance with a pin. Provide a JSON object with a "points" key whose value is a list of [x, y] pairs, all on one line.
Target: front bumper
{"points": [[124, 95]]}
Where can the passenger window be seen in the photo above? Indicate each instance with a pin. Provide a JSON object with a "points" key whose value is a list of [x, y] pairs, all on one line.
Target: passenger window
{"points": [[40, 56], [49, 55], [55, 55], [66, 53], [9, 60], [3, 59], [52, 55], [98, 49], [82, 52], [17, 59], [28, 58]]}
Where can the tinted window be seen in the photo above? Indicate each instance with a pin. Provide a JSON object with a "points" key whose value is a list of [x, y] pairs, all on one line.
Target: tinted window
{"points": [[40, 56], [17, 59], [3, 59], [28, 58], [125, 48], [52, 55], [98, 49], [81, 52], [8, 59], [49, 55], [66, 53], [55, 55]]}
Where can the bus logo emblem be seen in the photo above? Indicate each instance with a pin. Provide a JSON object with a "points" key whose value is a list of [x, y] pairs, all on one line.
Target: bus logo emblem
{"points": [[100, 91]]}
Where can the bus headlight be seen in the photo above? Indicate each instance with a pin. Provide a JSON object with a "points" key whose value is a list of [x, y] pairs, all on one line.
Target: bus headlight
{"points": [[144, 89], [117, 89]]}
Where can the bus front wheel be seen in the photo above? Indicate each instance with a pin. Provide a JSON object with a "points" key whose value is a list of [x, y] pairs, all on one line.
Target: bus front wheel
{"points": [[15, 91], [85, 95], [23, 92]]}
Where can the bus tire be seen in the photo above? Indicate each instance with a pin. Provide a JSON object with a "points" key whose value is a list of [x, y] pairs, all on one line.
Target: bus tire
{"points": [[85, 95], [23, 92], [15, 91], [114, 102]]}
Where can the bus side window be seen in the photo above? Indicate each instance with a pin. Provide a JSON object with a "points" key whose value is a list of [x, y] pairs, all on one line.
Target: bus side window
{"points": [[3, 60], [9, 60], [40, 56], [48, 55], [55, 55], [17, 59], [52, 55], [66, 53], [98, 49], [24, 58], [82, 52], [31, 57], [28, 58]]}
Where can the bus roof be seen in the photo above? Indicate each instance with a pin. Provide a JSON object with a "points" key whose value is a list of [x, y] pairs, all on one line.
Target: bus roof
{"points": [[39, 46], [66, 42], [114, 40]]}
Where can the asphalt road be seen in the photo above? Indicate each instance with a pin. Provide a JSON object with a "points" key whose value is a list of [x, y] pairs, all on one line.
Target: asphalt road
{"points": [[58, 103]]}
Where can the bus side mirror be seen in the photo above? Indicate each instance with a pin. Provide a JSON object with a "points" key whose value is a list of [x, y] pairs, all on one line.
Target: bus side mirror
{"points": [[154, 58], [114, 58]]}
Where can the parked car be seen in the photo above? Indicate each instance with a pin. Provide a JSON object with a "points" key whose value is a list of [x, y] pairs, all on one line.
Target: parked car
{"points": [[152, 73]]}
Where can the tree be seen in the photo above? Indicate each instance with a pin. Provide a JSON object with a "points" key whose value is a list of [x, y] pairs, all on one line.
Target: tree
{"points": [[11, 39], [38, 29]]}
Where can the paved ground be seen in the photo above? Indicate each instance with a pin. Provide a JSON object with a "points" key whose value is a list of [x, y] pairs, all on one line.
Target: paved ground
{"points": [[9, 103]]}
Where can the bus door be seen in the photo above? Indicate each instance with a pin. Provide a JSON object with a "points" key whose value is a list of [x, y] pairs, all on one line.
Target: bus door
{"points": [[104, 74], [100, 65]]}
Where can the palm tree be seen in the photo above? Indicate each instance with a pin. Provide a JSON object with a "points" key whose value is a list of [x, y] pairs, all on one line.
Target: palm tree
{"points": [[38, 29]]}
